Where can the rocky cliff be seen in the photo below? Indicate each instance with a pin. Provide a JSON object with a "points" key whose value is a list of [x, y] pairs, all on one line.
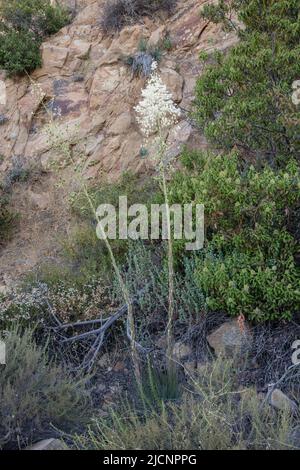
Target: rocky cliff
{"points": [[85, 77]]}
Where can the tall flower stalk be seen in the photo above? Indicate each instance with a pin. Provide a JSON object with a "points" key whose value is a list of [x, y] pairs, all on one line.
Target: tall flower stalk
{"points": [[61, 142], [156, 114]]}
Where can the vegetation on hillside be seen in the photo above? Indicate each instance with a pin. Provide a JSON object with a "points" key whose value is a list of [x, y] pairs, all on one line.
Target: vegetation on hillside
{"points": [[23, 26], [249, 183], [243, 100], [211, 416], [248, 264], [36, 394]]}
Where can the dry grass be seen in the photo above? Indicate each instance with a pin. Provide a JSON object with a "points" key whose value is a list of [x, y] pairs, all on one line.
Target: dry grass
{"points": [[211, 414], [36, 395]]}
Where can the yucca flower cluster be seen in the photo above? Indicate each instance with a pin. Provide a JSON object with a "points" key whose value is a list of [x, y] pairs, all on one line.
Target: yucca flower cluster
{"points": [[157, 110]]}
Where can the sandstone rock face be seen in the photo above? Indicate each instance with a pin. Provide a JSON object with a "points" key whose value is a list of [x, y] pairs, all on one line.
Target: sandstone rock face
{"points": [[228, 339], [174, 83], [86, 88], [84, 79]]}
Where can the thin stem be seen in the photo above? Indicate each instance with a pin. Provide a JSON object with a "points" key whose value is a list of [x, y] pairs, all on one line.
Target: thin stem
{"points": [[66, 149], [170, 335], [170, 324]]}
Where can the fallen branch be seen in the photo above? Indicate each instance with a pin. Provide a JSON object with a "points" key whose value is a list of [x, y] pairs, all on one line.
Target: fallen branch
{"points": [[98, 333]]}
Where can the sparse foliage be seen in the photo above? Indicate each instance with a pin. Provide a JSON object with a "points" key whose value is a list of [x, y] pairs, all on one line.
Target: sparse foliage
{"points": [[36, 395], [118, 13], [215, 416]]}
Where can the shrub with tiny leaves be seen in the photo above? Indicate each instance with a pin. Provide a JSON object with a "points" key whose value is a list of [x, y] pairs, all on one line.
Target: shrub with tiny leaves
{"points": [[243, 100], [37, 396]]}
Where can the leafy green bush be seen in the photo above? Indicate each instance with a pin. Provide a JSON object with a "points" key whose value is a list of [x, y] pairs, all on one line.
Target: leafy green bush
{"points": [[248, 229], [248, 210], [214, 416], [19, 51], [259, 288], [243, 100], [36, 395], [36, 16], [24, 24]]}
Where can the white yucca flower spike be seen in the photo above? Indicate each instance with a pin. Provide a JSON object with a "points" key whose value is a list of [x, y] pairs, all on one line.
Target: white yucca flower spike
{"points": [[156, 110]]}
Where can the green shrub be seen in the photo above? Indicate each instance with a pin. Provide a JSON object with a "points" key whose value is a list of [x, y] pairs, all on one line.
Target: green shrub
{"points": [[243, 100], [24, 24], [145, 270], [19, 52], [214, 416], [36, 16], [248, 228], [36, 395], [249, 211], [261, 289]]}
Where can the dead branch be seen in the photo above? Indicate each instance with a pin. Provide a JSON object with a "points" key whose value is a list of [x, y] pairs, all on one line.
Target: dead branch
{"points": [[97, 334]]}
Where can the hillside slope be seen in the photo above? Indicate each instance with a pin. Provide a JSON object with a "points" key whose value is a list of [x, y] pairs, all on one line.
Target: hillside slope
{"points": [[85, 80]]}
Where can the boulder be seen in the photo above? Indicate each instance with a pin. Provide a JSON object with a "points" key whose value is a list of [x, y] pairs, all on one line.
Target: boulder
{"points": [[229, 339], [80, 48], [174, 83], [280, 401], [121, 124], [48, 444], [54, 56], [181, 350], [157, 36], [106, 80]]}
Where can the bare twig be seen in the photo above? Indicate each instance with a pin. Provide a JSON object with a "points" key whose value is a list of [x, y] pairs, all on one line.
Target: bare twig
{"points": [[99, 333]]}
